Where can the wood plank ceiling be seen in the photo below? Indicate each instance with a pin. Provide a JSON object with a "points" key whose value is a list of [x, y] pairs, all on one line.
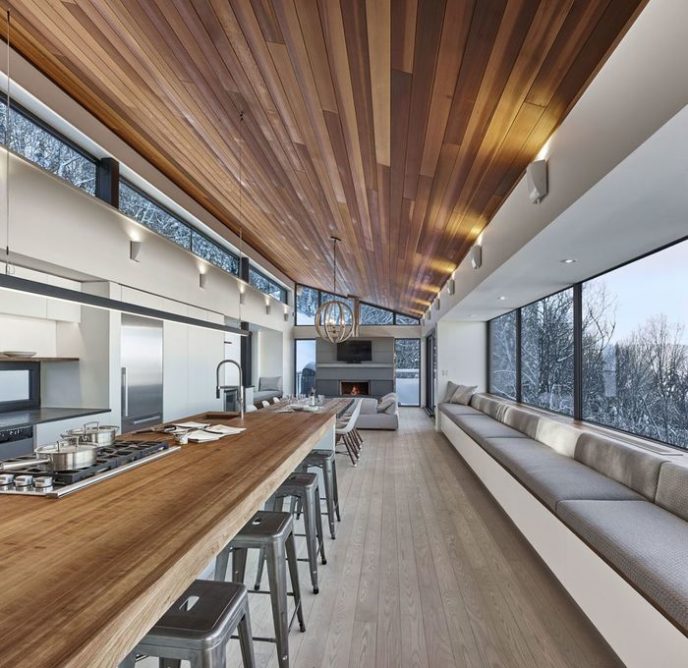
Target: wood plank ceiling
{"points": [[400, 125]]}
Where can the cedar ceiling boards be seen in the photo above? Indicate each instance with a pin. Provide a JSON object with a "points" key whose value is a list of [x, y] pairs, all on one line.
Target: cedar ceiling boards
{"points": [[400, 125]]}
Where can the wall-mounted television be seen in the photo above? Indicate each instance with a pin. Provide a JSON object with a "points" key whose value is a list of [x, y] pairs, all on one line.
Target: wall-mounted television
{"points": [[355, 351]]}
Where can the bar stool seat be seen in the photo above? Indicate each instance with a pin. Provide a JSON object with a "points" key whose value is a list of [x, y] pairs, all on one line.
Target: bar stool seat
{"points": [[198, 626], [325, 460], [273, 534]]}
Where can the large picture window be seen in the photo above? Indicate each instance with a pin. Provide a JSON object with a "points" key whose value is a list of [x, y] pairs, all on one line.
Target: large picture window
{"points": [[635, 347], [304, 376], [612, 350], [503, 355], [547, 353]]}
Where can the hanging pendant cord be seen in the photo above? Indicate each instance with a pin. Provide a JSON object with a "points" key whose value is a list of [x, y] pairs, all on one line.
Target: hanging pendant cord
{"points": [[241, 211], [8, 137], [334, 272]]}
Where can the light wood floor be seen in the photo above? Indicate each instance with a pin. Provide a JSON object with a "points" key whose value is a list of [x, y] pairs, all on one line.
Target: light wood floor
{"points": [[427, 571]]}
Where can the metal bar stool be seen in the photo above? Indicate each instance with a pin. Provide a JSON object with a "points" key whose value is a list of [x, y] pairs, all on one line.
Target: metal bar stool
{"points": [[305, 490], [325, 461], [273, 534], [343, 433], [198, 626]]}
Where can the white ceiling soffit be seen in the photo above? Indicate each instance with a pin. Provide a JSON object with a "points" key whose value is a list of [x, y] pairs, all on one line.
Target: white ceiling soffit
{"points": [[639, 206], [637, 92]]}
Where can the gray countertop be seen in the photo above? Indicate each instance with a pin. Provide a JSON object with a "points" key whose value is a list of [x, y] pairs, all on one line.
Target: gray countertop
{"points": [[28, 418]]}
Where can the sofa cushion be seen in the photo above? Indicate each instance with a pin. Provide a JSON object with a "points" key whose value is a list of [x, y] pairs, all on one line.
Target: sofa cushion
{"points": [[386, 405], [553, 477], [647, 544], [486, 404], [449, 392], [630, 466], [480, 427], [522, 419], [266, 383], [390, 395], [463, 394], [672, 489]]}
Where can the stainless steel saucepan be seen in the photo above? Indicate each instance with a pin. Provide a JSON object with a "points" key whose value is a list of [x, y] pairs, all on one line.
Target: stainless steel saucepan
{"points": [[94, 433], [60, 456]]}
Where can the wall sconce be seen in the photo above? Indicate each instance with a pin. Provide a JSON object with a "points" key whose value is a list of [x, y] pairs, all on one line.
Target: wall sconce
{"points": [[476, 255], [422, 322], [537, 181], [242, 293], [451, 286], [286, 313], [135, 250], [437, 304], [202, 279], [267, 306]]}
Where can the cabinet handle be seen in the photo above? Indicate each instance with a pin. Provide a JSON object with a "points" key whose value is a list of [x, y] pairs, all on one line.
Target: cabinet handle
{"points": [[125, 393]]}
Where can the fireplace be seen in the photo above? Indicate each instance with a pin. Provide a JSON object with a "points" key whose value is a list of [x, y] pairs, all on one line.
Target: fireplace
{"points": [[354, 388]]}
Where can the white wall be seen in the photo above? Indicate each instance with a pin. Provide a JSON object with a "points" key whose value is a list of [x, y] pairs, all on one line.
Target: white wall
{"points": [[461, 351]]}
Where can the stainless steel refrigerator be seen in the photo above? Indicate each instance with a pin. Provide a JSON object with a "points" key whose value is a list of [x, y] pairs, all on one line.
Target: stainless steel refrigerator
{"points": [[141, 372]]}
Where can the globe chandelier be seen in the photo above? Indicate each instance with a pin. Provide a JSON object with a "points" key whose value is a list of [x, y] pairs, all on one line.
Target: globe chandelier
{"points": [[335, 320]]}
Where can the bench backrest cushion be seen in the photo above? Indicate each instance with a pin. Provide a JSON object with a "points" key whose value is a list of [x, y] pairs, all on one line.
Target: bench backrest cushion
{"points": [[672, 489], [495, 408], [630, 466]]}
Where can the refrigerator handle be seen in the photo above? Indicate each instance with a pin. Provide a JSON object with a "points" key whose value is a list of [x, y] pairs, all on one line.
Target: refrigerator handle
{"points": [[125, 393]]}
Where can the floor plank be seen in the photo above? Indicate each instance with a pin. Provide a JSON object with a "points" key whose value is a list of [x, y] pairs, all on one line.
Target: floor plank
{"points": [[427, 572]]}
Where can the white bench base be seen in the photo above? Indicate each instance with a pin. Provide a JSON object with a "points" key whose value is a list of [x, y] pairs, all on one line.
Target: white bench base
{"points": [[639, 634]]}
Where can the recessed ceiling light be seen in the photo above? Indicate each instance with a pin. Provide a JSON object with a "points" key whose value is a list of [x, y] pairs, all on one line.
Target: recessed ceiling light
{"points": [[502, 298], [569, 260]]}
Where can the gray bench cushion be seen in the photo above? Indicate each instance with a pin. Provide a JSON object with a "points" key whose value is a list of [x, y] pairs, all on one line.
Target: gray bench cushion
{"points": [[522, 419], [646, 544], [553, 477], [634, 468], [454, 410], [480, 427], [672, 489]]}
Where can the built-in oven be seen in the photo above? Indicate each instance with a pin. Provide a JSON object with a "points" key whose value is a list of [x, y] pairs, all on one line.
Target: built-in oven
{"points": [[20, 386], [15, 442]]}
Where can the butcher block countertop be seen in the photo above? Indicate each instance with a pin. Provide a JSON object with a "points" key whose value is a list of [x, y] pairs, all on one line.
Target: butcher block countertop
{"points": [[84, 577]]}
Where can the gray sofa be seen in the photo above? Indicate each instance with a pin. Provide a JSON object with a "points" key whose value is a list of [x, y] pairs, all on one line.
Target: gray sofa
{"points": [[372, 417], [269, 387], [630, 505]]}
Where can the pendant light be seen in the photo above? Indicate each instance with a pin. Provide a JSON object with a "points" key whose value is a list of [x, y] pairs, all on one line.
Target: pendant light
{"points": [[335, 320]]}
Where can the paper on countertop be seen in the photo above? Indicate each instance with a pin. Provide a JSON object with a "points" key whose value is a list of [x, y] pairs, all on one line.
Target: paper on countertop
{"points": [[191, 425], [200, 436], [225, 430]]}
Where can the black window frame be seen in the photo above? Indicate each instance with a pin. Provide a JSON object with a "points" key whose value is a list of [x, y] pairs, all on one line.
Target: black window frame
{"points": [[14, 106], [192, 228], [419, 340], [578, 380], [296, 342], [283, 291]]}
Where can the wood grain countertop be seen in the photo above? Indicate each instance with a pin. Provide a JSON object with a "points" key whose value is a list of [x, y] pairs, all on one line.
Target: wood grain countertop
{"points": [[84, 577]]}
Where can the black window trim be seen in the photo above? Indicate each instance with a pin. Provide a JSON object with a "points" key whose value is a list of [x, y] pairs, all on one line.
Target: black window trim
{"points": [[282, 289], [420, 367], [44, 125], [577, 349], [192, 228]]}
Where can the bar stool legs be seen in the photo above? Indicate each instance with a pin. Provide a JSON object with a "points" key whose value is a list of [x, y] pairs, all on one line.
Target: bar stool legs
{"points": [[325, 461], [273, 534]]}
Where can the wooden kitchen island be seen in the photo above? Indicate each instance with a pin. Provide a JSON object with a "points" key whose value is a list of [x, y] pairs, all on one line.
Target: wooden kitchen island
{"points": [[84, 577]]}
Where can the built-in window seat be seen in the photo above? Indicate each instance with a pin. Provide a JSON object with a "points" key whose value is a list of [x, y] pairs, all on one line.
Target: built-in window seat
{"points": [[610, 519]]}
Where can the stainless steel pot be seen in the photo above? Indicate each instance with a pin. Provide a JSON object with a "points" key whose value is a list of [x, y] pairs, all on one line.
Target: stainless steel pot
{"points": [[60, 456], [94, 433]]}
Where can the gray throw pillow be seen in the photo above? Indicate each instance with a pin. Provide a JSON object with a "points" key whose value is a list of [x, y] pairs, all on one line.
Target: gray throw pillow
{"points": [[463, 394], [273, 383], [386, 404], [389, 395], [449, 392]]}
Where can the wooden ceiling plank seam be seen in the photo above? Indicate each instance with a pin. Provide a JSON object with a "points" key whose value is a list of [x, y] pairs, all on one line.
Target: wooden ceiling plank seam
{"points": [[333, 31], [379, 25], [531, 55], [453, 43], [428, 35], [269, 26], [404, 19]]}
